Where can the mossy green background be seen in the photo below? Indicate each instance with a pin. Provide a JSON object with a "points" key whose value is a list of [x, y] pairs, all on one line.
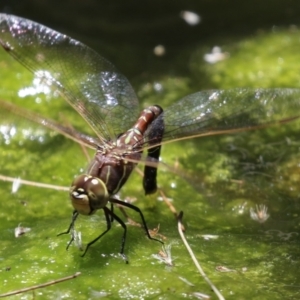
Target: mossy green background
{"points": [[227, 176]]}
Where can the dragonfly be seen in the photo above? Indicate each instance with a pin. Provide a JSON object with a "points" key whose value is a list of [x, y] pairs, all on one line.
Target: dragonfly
{"points": [[106, 101]]}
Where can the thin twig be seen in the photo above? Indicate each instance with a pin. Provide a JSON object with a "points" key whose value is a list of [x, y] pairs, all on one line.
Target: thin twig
{"points": [[171, 206], [37, 184], [40, 285], [220, 296], [168, 202]]}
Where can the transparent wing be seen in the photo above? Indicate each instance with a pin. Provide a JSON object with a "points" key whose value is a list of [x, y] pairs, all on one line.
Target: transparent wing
{"points": [[9, 111], [226, 111], [89, 83]]}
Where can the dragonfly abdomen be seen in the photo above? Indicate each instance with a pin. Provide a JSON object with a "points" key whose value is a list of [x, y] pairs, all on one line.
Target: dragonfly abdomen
{"points": [[148, 115], [134, 137]]}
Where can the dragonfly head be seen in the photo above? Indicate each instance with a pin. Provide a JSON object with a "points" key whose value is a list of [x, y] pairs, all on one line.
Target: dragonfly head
{"points": [[88, 194]]}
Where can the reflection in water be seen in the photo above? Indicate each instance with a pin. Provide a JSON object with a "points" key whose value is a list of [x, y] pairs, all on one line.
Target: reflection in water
{"points": [[261, 214]]}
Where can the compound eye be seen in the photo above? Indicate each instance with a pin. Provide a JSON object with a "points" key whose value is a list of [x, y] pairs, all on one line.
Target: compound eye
{"points": [[88, 194]]}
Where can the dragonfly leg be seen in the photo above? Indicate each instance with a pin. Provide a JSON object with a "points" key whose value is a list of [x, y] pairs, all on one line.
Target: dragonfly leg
{"points": [[135, 208], [112, 212], [71, 228], [107, 214], [129, 220], [115, 217]]}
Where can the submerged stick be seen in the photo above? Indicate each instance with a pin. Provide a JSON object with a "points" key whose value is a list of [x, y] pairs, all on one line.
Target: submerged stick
{"points": [[213, 287], [40, 285]]}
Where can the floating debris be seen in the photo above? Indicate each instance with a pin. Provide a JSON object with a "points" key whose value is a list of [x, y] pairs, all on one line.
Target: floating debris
{"points": [[190, 17], [186, 281], [209, 236], [199, 295], [242, 208], [154, 233], [99, 294], [261, 214], [215, 56], [224, 269], [76, 236], [16, 185], [164, 255], [24, 203], [21, 230]]}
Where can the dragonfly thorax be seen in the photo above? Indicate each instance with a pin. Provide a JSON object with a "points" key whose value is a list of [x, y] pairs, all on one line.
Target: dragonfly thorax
{"points": [[88, 194]]}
